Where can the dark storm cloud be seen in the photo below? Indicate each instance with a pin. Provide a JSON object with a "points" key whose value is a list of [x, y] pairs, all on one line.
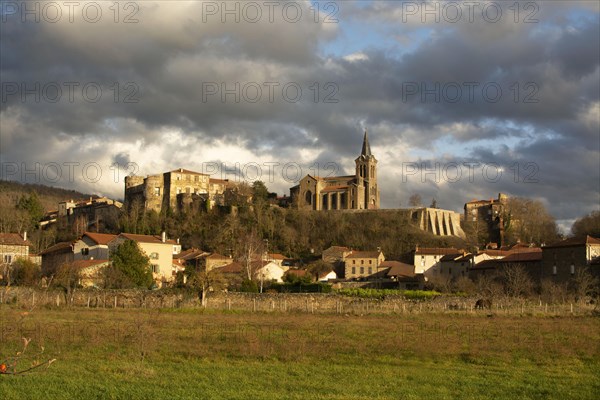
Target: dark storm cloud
{"points": [[172, 53]]}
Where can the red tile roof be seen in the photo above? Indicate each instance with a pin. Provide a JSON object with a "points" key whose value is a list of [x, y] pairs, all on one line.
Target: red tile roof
{"points": [[58, 247], [13, 239], [397, 268], [523, 257], [338, 248], [297, 272], [364, 254], [231, 268], [276, 256], [575, 241], [145, 238], [100, 238]]}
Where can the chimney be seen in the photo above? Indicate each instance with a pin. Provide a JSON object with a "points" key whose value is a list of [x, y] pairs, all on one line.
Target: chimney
{"points": [[164, 237], [25, 236], [177, 240]]}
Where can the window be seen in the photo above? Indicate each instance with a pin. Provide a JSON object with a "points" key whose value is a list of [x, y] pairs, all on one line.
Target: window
{"points": [[353, 270], [353, 261], [362, 270], [154, 256], [370, 261], [370, 270], [155, 268], [8, 258], [157, 191], [572, 269], [554, 269], [362, 261], [85, 251]]}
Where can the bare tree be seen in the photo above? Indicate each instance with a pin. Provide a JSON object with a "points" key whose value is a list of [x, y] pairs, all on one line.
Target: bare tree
{"points": [[67, 277], [517, 282], [205, 281], [415, 200], [487, 286], [553, 292], [584, 284]]}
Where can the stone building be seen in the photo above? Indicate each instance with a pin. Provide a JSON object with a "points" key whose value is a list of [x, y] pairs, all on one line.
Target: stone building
{"points": [[486, 216], [352, 192], [562, 260], [362, 264], [427, 260], [175, 190], [12, 247]]}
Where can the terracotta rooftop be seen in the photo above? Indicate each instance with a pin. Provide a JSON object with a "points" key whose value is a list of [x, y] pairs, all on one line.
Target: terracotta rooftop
{"points": [[297, 272], [13, 239], [575, 241], [231, 268], [146, 238], [276, 256], [61, 246], [100, 238], [397, 268], [364, 254], [339, 248]]}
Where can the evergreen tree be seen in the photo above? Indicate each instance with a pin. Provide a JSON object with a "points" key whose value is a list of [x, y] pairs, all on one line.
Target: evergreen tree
{"points": [[130, 267]]}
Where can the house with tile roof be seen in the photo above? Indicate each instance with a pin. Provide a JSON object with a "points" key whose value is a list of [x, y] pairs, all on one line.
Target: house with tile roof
{"points": [[12, 247], [157, 247], [362, 264], [92, 246], [427, 260], [562, 260], [55, 256]]}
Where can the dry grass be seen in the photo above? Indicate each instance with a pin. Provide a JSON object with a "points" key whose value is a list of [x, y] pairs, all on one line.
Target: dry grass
{"points": [[109, 353]]}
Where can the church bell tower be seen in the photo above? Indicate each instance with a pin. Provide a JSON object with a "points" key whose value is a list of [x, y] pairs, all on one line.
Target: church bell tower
{"points": [[366, 178]]}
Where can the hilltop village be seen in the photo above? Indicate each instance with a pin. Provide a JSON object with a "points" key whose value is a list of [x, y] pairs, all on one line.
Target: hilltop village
{"points": [[328, 231]]}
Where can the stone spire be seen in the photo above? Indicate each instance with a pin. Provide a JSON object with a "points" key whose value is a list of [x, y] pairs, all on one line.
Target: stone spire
{"points": [[366, 148]]}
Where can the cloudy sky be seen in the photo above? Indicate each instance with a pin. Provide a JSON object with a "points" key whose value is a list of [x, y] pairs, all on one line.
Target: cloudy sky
{"points": [[462, 100]]}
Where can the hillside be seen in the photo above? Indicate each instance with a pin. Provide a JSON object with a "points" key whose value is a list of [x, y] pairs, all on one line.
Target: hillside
{"points": [[11, 192]]}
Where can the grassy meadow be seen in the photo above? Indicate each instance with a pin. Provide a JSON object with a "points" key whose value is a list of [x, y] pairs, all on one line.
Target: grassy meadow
{"points": [[185, 353]]}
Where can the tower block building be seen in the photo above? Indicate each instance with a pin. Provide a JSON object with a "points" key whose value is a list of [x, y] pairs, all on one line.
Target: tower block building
{"points": [[352, 192]]}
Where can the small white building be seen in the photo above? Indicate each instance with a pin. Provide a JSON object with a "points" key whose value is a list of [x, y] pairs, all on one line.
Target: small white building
{"points": [[92, 246], [269, 271]]}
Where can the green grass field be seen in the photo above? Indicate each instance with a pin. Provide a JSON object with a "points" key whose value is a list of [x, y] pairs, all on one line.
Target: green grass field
{"points": [[184, 354]]}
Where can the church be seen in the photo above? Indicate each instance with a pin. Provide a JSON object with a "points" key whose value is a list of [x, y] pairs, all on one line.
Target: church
{"points": [[352, 192]]}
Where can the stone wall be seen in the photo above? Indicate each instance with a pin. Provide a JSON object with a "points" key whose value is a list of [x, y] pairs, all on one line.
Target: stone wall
{"points": [[29, 299]]}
